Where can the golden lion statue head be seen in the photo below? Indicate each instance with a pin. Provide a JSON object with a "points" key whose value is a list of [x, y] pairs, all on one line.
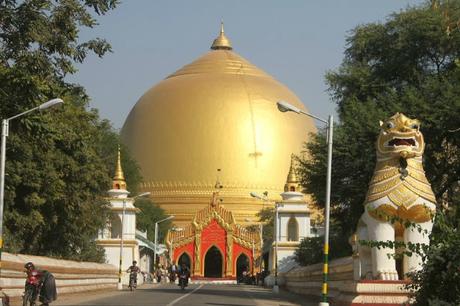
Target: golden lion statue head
{"points": [[399, 137]]}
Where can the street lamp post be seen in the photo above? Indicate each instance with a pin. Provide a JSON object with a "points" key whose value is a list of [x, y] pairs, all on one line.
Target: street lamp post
{"points": [[5, 130], [261, 228], [275, 256], [253, 257], [120, 285], [264, 198], [156, 240], [286, 107]]}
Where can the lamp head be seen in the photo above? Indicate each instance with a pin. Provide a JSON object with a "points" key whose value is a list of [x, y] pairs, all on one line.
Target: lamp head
{"points": [[255, 195], [283, 106], [51, 103], [144, 194]]}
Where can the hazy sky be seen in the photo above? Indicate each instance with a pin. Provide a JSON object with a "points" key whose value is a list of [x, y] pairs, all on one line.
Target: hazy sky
{"points": [[297, 42]]}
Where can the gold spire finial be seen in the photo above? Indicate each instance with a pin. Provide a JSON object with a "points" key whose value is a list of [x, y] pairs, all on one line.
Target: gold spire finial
{"points": [[292, 176], [221, 42], [292, 182], [119, 178]]}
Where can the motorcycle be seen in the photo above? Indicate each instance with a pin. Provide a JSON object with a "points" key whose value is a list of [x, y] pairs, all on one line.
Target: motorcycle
{"points": [[32, 288], [132, 281], [183, 281]]}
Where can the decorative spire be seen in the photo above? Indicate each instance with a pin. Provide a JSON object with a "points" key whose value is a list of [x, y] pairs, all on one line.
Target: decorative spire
{"points": [[119, 178], [221, 42], [292, 182], [292, 176]]}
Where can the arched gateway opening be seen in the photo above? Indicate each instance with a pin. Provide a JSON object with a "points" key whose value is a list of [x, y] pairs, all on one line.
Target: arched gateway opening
{"points": [[184, 258], [213, 263], [242, 264]]}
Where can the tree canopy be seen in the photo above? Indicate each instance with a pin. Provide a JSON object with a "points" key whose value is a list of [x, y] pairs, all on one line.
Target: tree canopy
{"points": [[408, 64], [267, 217], [60, 162], [149, 214]]}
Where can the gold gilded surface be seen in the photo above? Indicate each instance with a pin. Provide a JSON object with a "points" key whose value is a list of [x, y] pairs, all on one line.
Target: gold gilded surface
{"points": [[219, 112], [402, 197], [400, 127], [119, 178], [221, 42], [229, 246], [417, 213], [400, 191], [118, 170], [399, 173]]}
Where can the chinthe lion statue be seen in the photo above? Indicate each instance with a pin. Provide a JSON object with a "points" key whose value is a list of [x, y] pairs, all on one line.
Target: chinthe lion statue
{"points": [[400, 204]]}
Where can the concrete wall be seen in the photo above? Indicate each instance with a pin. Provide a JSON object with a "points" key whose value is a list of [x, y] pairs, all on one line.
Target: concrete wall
{"points": [[343, 290], [71, 276]]}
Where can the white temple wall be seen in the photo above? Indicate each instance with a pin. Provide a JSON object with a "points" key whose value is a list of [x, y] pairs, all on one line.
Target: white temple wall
{"points": [[303, 223], [71, 276], [342, 290], [129, 228]]}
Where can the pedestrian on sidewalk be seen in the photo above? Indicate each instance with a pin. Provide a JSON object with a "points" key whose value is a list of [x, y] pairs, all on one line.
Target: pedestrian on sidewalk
{"points": [[158, 274]]}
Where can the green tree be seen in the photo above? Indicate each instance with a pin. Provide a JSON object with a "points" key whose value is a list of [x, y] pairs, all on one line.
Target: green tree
{"points": [[59, 163], [149, 214], [267, 217], [310, 251], [442, 267], [408, 64]]}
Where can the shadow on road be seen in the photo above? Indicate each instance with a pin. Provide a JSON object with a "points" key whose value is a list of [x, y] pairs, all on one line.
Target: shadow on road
{"points": [[228, 291]]}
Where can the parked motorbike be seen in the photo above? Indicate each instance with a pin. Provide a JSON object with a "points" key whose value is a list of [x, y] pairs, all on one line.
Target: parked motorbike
{"points": [[183, 281], [32, 288], [132, 281]]}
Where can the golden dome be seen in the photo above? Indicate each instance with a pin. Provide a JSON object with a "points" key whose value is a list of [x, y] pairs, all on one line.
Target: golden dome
{"points": [[218, 112]]}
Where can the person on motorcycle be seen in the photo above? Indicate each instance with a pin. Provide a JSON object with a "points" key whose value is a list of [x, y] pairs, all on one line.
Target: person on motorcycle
{"points": [[184, 272], [172, 272], [134, 269], [45, 280]]}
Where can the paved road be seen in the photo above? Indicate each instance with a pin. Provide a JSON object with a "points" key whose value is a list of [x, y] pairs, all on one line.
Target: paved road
{"points": [[171, 295]]}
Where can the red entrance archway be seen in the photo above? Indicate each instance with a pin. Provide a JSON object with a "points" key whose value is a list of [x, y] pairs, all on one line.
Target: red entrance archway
{"points": [[214, 240]]}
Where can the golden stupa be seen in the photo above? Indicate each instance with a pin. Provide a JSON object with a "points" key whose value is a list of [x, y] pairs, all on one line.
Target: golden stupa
{"points": [[218, 112]]}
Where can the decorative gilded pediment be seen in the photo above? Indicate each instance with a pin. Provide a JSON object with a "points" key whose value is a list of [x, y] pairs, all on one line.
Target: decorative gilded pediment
{"points": [[202, 218], [214, 211]]}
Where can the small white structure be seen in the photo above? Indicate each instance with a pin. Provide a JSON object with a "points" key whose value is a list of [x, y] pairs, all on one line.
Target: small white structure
{"points": [[292, 225], [118, 226]]}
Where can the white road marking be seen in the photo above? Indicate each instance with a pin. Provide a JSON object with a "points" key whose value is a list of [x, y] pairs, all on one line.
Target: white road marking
{"points": [[184, 296]]}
